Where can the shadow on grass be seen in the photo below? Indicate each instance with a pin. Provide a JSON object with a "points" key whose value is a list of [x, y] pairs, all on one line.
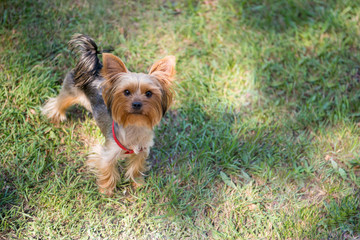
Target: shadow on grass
{"points": [[322, 69], [195, 159], [280, 16], [9, 198], [317, 84]]}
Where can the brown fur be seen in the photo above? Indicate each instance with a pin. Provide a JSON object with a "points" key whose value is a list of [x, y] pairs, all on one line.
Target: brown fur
{"points": [[119, 79], [55, 108], [135, 126]]}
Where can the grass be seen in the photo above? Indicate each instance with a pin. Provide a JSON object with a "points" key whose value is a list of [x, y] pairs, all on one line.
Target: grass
{"points": [[261, 143]]}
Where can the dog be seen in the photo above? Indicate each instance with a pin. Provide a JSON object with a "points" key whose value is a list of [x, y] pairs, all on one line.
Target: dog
{"points": [[125, 105]]}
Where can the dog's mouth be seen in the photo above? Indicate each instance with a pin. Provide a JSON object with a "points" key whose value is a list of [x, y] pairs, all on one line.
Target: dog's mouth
{"points": [[137, 118], [136, 112]]}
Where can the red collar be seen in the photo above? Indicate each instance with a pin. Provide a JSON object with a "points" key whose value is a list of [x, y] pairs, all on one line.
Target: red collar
{"points": [[127, 151]]}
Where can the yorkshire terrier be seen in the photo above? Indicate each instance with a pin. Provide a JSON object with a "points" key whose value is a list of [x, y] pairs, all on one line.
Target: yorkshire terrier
{"points": [[126, 107]]}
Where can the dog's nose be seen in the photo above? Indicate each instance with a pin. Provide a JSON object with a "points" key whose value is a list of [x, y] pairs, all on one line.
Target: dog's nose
{"points": [[136, 105]]}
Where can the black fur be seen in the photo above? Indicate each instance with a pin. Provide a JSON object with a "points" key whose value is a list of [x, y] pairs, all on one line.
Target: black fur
{"points": [[87, 77], [88, 66]]}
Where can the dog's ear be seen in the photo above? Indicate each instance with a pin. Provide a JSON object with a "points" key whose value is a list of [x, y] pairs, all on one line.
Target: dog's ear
{"points": [[112, 65], [164, 71], [111, 71], [164, 66]]}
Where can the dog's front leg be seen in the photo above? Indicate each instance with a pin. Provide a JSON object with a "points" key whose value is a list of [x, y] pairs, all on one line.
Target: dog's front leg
{"points": [[103, 161], [136, 167]]}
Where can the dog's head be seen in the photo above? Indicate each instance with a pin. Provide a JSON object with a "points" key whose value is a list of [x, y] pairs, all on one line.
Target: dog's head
{"points": [[137, 98]]}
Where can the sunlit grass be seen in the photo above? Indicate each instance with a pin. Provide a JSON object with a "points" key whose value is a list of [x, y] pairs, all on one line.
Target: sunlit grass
{"points": [[261, 143]]}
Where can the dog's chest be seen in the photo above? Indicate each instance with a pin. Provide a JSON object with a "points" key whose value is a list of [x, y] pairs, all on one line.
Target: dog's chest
{"points": [[136, 138]]}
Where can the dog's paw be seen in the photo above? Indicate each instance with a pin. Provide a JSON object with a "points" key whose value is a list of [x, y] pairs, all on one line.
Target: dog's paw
{"points": [[51, 111], [106, 191], [138, 182]]}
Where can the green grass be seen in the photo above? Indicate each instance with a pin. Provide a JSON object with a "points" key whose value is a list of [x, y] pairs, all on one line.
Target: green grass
{"points": [[261, 143]]}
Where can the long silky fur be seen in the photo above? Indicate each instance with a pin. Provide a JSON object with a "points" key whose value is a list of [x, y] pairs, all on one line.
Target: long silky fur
{"points": [[88, 66], [165, 81], [101, 90]]}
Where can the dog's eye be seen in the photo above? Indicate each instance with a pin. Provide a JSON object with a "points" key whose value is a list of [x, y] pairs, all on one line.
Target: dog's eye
{"points": [[126, 92], [148, 94]]}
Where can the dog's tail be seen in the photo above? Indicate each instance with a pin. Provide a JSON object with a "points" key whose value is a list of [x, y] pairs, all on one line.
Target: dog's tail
{"points": [[88, 66]]}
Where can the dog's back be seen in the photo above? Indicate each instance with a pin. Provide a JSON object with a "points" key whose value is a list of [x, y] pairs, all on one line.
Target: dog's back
{"points": [[88, 79], [82, 85]]}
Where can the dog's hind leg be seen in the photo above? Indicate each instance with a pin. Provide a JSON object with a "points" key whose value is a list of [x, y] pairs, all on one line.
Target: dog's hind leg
{"points": [[55, 108]]}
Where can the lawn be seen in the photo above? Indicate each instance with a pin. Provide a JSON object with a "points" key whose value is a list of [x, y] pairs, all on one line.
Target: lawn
{"points": [[262, 142]]}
